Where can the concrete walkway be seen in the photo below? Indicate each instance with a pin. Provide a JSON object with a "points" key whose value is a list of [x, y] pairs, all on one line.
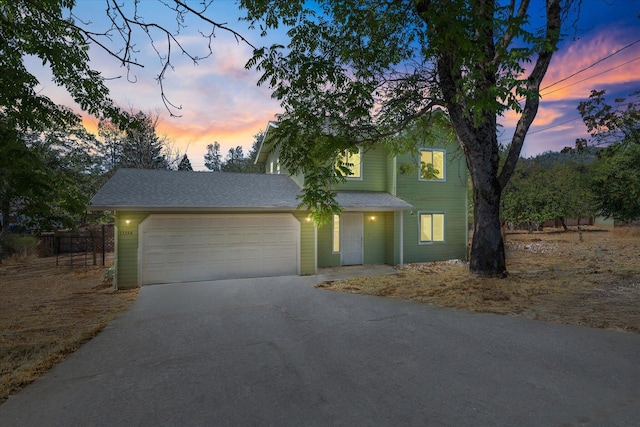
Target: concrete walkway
{"points": [[280, 352]]}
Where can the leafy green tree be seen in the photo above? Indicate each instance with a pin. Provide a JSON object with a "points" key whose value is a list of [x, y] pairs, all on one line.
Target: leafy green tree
{"points": [[213, 158], [185, 164], [136, 146], [358, 71], [538, 192], [143, 148], [608, 124], [616, 172], [250, 159], [527, 199], [616, 182], [47, 177], [573, 185], [111, 141]]}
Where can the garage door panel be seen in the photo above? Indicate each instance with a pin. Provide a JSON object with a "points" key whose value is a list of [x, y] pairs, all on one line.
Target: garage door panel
{"points": [[182, 248]]}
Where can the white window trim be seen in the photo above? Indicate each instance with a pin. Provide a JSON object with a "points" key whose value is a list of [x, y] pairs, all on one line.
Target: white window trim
{"points": [[444, 165], [351, 177], [444, 225]]}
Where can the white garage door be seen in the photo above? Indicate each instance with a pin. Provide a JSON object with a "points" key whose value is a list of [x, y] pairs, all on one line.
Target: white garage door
{"points": [[189, 248]]}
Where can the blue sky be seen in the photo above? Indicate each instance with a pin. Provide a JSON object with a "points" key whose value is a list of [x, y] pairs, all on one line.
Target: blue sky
{"points": [[221, 101]]}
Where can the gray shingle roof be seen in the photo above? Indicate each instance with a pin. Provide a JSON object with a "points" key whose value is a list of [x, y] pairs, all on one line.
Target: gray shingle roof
{"points": [[130, 189], [143, 189], [363, 201]]}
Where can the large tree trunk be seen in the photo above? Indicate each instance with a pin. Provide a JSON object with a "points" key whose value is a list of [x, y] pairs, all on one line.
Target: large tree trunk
{"points": [[6, 211], [487, 258]]}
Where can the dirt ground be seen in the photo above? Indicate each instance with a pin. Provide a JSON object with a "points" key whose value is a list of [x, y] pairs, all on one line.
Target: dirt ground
{"points": [[553, 276], [46, 313]]}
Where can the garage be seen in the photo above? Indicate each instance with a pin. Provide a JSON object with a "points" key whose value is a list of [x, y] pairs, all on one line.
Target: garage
{"points": [[177, 248]]}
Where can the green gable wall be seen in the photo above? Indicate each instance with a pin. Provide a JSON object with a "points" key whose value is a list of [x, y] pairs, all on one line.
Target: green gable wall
{"points": [[326, 257], [374, 172], [126, 248], [374, 238], [448, 197], [273, 157], [392, 239], [307, 244]]}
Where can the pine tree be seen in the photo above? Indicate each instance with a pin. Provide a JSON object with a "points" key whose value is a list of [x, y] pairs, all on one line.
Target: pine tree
{"points": [[185, 164], [213, 158]]}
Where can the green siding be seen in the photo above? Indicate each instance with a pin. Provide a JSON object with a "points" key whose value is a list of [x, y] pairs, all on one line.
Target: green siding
{"points": [[374, 238], [391, 176], [392, 242], [272, 158], [374, 172], [126, 250], [449, 197], [307, 244], [326, 257]]}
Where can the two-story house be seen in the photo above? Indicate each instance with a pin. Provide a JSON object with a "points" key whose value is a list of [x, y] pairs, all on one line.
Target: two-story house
{"points": [[401, 215], [183, 226]]}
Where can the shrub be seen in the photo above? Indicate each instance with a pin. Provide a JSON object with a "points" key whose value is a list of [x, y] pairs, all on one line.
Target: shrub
{"points": [[109, 273], [18, 246]]}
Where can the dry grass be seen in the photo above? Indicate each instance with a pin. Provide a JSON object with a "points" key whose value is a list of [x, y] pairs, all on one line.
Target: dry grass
{"points": [[552, 276], [46, 313]]}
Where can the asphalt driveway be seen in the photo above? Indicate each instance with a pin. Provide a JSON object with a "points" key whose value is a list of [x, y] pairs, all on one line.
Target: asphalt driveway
{"points": [[280, 352]]}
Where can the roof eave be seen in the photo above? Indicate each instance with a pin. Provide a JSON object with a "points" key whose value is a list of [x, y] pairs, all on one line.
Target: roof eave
{"points": [[238, 208], [190, 208], [265, 147]]}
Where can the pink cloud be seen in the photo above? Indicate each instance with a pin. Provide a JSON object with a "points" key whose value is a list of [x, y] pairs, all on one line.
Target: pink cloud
{"points": [[618, 69]]}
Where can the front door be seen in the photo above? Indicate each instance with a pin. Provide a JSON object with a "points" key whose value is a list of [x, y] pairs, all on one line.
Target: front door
{"points": [[352, 238]]}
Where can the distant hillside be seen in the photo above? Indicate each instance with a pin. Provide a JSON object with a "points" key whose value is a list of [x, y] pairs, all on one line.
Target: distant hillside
{"points": [[550, 158]]}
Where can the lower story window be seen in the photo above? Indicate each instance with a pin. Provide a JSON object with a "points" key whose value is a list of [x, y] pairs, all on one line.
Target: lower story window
{"points": [[431, 227], [336, 234]]}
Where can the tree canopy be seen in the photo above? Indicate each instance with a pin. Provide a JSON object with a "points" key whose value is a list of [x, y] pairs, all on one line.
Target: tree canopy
{"points": [[235, 161], [616, 172], [548, 187], [357, 72]]}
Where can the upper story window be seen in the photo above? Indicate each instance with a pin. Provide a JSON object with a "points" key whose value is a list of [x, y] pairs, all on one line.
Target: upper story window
{"points": [[354, 162], [432, 164]]}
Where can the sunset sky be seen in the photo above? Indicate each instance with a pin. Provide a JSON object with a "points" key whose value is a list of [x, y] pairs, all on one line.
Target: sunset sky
{"points": [[221, 101]]}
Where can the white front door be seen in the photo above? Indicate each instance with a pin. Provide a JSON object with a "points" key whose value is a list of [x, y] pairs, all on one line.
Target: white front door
{"points": [[352, 238]]}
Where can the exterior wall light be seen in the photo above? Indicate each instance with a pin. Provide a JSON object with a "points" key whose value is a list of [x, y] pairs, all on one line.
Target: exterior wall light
{"points": [[372, 218], [127, 221]]}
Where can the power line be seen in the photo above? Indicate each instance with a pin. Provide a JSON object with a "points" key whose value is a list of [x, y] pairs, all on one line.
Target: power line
{"points": [[592, 65], [573, 84], [591, 77], [554, 126], [620, 107]]}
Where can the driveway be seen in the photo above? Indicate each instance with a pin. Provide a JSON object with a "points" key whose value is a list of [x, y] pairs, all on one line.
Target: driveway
{"points": [[279, 352]]}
